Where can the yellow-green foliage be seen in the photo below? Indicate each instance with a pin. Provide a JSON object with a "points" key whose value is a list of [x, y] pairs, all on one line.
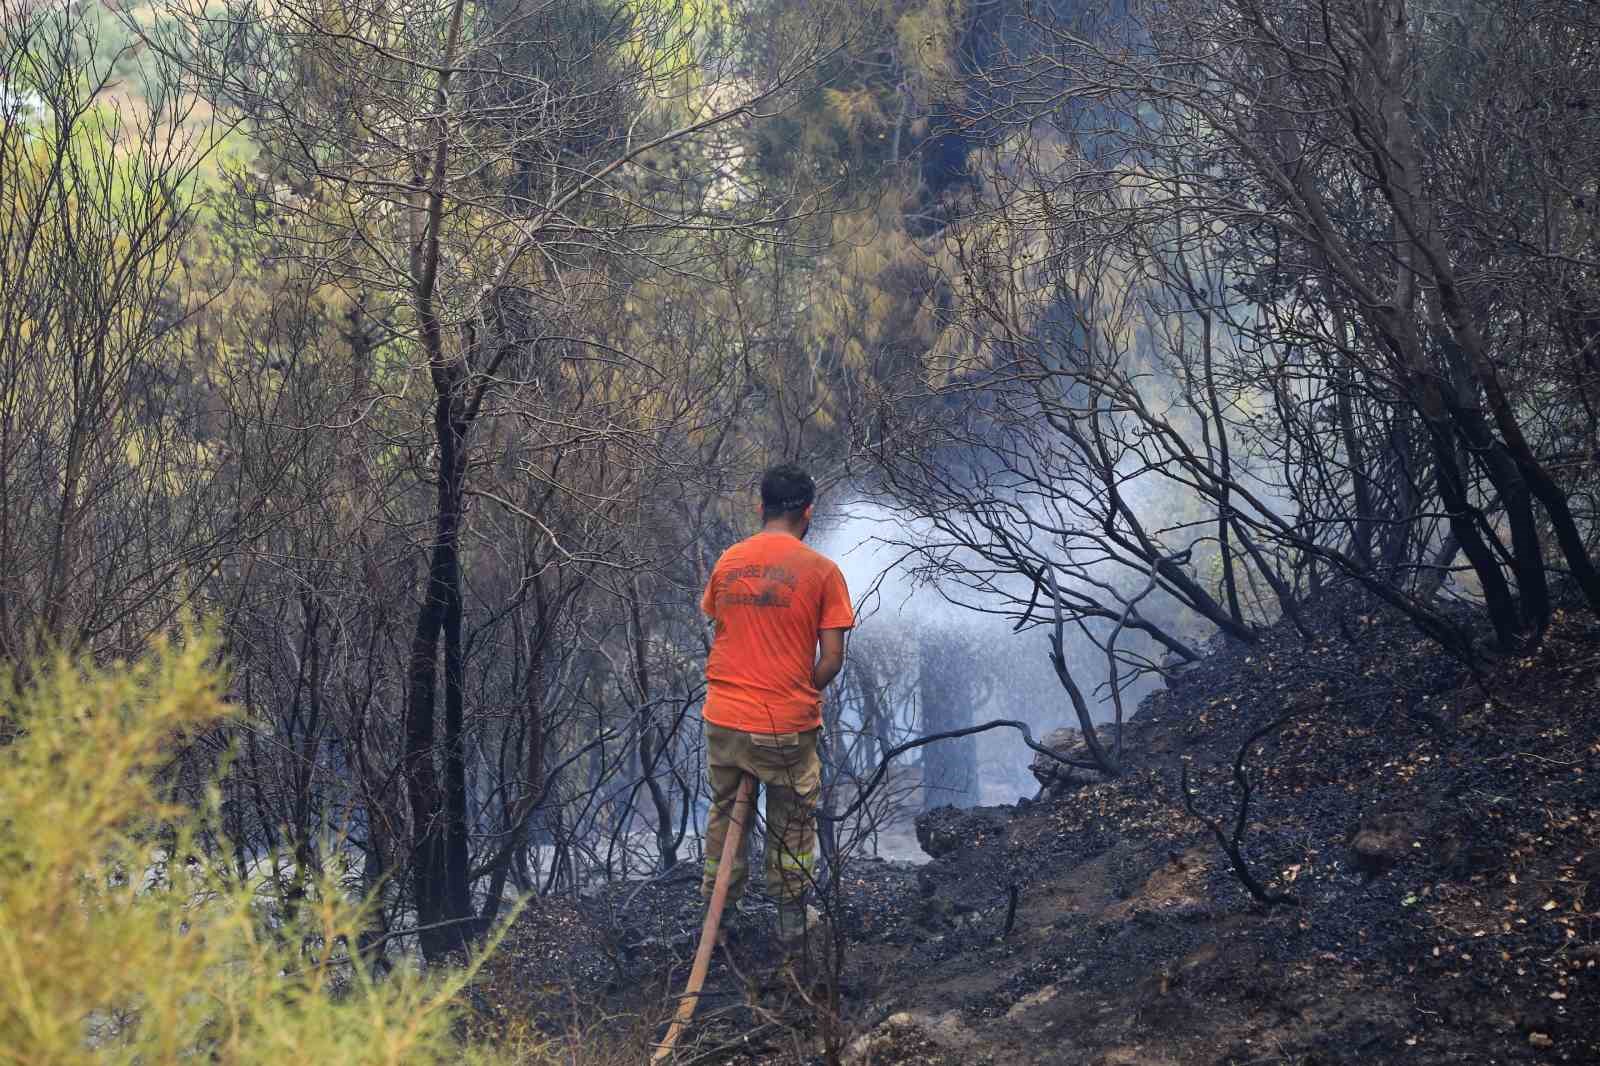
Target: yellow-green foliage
{"points": [[928, 34], [110, 952]]}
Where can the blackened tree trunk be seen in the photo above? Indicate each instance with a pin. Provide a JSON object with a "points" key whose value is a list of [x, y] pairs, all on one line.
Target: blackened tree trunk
{"points": [[438, 808], [653, 739]]}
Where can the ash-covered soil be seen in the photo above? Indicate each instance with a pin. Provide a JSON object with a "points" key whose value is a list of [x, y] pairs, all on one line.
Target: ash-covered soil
{"points": [[1439, 834]]}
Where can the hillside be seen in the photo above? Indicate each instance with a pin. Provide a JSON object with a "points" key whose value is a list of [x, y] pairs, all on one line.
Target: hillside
{"points": [[1438, 833]]}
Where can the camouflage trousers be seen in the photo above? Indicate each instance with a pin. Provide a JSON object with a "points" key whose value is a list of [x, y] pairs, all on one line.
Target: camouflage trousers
{"points": [[788, 767]]}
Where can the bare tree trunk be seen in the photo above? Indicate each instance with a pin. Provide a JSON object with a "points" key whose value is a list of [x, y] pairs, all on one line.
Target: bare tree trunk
{"points": [[875, 719], [439, 811], [1225, 463], [652, 741], [945, 686]]}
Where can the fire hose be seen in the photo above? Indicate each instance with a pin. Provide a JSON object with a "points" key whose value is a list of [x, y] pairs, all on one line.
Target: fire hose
{"points": [[730, 848], [708, 931]]}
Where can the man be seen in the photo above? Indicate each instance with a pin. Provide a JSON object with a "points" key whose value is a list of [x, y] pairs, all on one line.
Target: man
{"points": [[775, 602]]}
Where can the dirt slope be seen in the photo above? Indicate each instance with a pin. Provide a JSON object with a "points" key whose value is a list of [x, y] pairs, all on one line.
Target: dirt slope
{"points": [[1440, 835]]}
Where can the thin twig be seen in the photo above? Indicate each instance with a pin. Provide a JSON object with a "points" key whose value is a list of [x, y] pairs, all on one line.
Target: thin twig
{"points": [[899, 749], [1232, 846]]}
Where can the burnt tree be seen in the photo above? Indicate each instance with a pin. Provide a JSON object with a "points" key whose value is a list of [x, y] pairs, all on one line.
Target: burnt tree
{"points": [[946, 690]]}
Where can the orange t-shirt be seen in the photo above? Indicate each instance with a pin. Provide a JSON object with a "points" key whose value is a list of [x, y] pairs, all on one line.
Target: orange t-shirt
{"points": [[770, 596]]}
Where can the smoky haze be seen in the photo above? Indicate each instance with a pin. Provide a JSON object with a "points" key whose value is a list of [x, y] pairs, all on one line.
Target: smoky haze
{"points": [[922, 640]]}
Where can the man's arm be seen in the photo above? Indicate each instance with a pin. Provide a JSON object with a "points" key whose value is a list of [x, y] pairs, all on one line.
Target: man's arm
{"points": [[831, 661]]}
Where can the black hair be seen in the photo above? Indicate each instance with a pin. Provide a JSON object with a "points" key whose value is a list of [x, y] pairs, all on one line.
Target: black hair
{"points": [[786, 489]]}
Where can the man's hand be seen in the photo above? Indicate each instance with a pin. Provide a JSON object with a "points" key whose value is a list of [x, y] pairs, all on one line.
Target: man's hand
{"points": [[831, 661]]}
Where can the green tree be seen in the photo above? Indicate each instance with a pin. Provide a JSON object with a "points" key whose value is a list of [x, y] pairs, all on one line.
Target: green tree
{"points": [[124, 938]]}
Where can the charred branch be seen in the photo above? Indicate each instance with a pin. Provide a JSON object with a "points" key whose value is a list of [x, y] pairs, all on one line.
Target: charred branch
{"points": [[1232, 844]]}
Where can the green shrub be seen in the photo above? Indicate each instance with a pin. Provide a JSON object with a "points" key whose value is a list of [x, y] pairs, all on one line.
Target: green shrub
{"points": [[111, 951]]}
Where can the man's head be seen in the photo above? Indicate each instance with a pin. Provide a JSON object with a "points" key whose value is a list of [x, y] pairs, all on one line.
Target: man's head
{"points": [[787, 493]]}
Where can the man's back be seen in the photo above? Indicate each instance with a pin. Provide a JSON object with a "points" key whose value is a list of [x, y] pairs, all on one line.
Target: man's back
{"points": [[770, 596]]}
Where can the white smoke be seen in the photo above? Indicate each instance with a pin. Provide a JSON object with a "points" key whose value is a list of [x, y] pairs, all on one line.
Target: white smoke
{"points": [[898, 604]]}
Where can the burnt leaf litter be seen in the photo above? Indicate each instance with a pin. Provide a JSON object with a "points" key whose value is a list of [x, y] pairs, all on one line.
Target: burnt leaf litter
{"points": [[1439, 832]]}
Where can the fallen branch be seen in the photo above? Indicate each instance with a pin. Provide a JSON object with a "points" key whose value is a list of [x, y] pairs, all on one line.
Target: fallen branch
{"points": [[681, 872], [1233, 846], [742, 1043], [899, 749]]}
